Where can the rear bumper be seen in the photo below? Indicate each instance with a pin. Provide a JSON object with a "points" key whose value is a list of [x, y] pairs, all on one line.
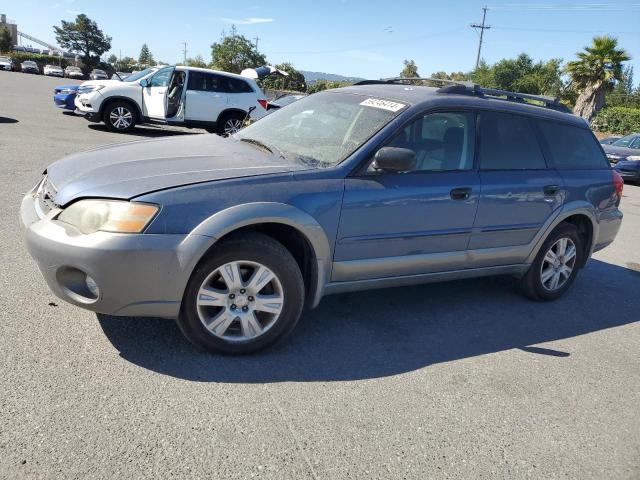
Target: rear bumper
{"points": [[609, 223], [137, 275]]}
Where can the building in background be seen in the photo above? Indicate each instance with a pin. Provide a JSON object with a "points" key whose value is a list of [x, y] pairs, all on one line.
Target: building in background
{"points": [[12, 27]]}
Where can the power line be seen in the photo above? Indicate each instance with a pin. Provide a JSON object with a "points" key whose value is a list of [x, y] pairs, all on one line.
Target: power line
{"points": [[482, 28]]}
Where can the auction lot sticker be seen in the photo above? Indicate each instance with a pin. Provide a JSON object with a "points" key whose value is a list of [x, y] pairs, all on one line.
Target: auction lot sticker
{"points": [[384, 104]]}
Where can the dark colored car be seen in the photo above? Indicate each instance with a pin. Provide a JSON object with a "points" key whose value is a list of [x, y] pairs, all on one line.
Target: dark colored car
{"points": [[369, 186], [609, 140], [29, 66], [624, 155], [64, 96]]}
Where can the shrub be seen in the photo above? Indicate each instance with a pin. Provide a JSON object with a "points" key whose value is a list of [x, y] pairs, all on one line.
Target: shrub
{"points": [[620, 120]]}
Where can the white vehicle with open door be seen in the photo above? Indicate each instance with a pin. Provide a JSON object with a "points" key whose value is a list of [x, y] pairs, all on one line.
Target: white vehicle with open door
{"points": [[183, 96]]}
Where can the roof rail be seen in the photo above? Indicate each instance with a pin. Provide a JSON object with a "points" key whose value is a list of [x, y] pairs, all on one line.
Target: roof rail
{"points": [[469, 88]]}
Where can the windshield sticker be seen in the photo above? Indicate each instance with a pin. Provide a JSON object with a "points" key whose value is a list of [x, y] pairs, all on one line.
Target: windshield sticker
{"points": [[384, 104]]}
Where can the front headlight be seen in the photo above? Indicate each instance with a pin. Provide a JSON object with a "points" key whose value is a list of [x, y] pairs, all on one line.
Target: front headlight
{"points": [[90, 88], [634, 158], [90, 216]]}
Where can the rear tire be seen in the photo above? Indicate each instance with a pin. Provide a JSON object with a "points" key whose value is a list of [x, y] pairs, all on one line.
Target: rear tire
{"points": [[119, 117], [230, 123], [556, 265], [245, 296]]}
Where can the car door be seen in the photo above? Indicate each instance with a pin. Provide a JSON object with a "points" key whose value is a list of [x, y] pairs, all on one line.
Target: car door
{"points": [[155, 92], [206, 96], [395, 224], [519, 192]]}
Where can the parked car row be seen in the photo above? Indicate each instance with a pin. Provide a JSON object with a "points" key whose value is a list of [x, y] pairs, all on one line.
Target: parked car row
{"points": [[29, 66]]}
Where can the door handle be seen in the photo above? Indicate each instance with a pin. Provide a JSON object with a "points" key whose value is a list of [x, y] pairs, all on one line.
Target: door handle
{"points": [[551, 190], [460, 193]]}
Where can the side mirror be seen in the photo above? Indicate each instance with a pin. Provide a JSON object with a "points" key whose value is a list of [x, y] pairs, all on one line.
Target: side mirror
{"points": [[144, 83], [394, 159]]}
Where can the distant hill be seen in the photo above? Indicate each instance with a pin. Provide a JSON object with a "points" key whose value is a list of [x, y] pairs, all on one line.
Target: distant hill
{"points": [[312, 77]]}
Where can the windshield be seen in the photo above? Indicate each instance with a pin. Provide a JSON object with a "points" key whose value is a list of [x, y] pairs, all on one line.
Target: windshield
{"points": [[4, 59], [102, 72], [627, 141], [139, 75], [322, 129], [73, 69]]}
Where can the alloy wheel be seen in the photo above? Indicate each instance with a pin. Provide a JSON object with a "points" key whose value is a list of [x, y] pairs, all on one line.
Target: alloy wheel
{"points": [[558, 264], [240, 301], [232, 126], [120, 118]]}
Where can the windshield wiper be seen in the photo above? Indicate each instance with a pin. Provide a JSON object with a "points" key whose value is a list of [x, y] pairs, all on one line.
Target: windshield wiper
{"points": [[258, 143]]}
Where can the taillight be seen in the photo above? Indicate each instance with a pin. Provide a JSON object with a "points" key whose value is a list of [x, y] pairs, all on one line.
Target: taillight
{"points": [[618, 183], [263, 103]]}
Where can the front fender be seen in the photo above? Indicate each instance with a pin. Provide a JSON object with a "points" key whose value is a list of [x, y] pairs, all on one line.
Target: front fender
{"points": [[238, 216]]}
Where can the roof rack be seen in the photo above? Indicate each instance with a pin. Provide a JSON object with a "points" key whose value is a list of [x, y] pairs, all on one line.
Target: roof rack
{"points": [[469, 88]]}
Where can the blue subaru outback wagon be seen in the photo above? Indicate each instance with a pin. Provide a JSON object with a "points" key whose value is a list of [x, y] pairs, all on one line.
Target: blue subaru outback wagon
{"points": [[375, 185]]}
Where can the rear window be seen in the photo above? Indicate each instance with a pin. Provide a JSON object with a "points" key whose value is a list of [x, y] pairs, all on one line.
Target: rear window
{"points": [[572, 147], [508, 142]]}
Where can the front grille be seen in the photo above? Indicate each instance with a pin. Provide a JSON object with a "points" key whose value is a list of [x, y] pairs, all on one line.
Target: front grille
{"points": [[46, 196]]}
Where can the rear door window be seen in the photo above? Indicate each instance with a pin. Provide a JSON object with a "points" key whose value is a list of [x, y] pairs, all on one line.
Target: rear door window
{"points": [[571, 147], [508, 142], [235, 85]]}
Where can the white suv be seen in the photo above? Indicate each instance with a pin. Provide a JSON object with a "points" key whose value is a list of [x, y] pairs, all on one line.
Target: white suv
{"points": [[184, 96]]}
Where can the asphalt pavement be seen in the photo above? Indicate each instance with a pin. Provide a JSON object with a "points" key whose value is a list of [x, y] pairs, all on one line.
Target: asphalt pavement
{"points": [[454, 380]]}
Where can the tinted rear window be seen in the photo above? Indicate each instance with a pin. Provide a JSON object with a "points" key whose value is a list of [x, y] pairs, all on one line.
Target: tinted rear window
{"points": [[235, 85], [508, 142], [572, 147]]}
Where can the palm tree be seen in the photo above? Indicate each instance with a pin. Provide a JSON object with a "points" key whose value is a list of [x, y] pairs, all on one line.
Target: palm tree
{"points": [[595, 72]]}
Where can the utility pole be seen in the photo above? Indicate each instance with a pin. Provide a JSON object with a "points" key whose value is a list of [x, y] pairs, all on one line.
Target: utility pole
{"points": [[184, 51], [482, 28], [257, 39]]}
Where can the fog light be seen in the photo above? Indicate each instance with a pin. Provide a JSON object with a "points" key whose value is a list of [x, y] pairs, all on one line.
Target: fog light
{"points": [[92, 286]]}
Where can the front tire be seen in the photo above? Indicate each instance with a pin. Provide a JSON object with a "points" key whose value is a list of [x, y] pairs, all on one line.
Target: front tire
{"points": [[556, 265], [119, 117], [245, 296]]}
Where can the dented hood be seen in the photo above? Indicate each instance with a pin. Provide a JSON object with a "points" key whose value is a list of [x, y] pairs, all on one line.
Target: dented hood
{"points": [[131, 169]]}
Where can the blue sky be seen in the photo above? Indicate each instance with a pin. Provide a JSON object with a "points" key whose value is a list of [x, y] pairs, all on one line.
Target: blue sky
{"points": [[357, 38]]}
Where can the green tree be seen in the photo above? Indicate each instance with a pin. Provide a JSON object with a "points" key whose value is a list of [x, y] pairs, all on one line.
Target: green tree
{"points": [[320, 85], [594, 74], [234, 52], [112, 59], [6, 42], [623, 94], [410, 69], [146, 57], [198, 61], [294, 81], [83, 35]]}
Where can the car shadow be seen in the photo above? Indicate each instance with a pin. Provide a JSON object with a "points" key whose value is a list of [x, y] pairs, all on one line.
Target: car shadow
{"points": [[149, 131], [387, 332], [8, 120]]}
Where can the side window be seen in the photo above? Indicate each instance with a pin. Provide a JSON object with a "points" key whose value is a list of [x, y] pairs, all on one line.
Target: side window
{"points": [[236, 85], [215, 83], [197, 81], [571, 147], [161, 78], [442, 141], [508, 142]]}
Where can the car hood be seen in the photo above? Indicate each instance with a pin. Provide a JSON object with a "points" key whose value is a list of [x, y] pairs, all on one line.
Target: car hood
{"points": [[128, 170], [73, 87], [106, 83], [621, 151]]}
